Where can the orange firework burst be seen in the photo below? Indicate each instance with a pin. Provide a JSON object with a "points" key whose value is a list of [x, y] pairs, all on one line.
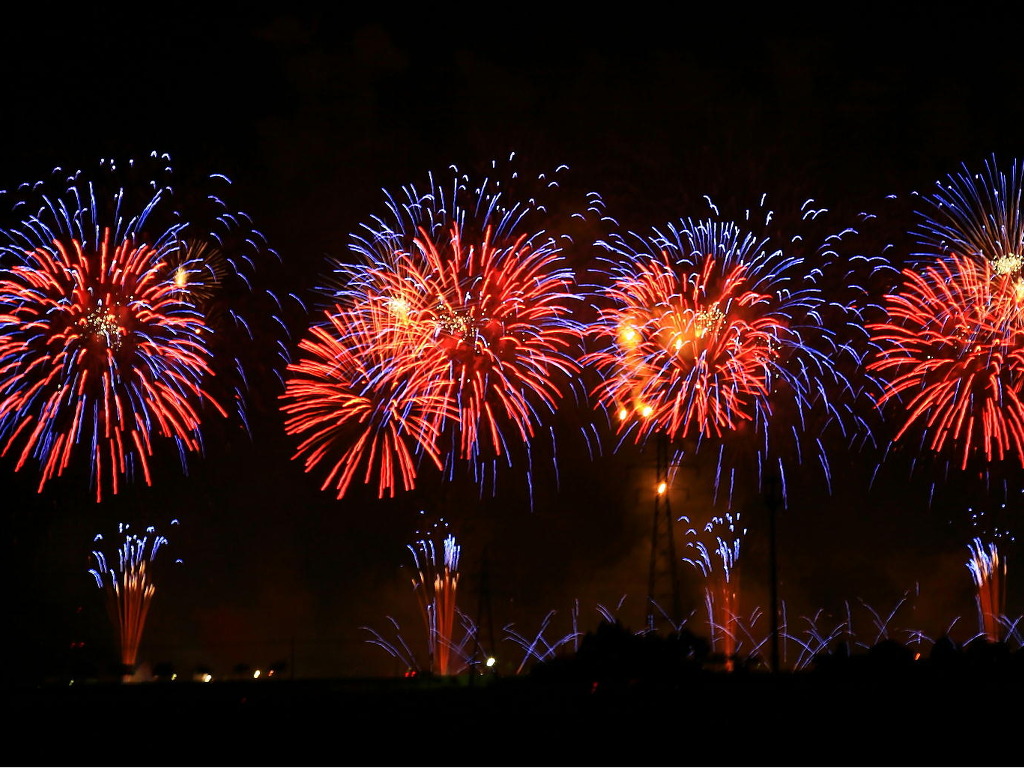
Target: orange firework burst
{"points": [[94, 341], [709, 334], [355, 419], [690, 352]]}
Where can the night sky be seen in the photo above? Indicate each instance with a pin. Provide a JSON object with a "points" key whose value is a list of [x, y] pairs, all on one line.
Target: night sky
{"points": [[312, 115]]}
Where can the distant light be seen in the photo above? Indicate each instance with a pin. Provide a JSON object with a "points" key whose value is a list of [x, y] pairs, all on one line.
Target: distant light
{"points": [[662, 487], [255, 674], [490, 661]]}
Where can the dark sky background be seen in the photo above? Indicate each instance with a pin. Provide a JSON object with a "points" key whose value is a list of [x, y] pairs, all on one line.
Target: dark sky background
{"points": [[312, 115]]}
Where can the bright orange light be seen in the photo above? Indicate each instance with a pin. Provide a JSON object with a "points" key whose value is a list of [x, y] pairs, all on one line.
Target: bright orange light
{"points": [[180, 277], [629, 337], [399, 308]]}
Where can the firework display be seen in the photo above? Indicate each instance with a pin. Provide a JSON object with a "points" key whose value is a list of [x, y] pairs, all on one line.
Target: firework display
{"points": [[435, 555], [463, 331], [451, 338], [114, 336], [129, 586], [989, 545]]}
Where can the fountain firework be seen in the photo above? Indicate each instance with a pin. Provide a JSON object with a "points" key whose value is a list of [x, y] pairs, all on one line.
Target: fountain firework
{"points": [[129, 586]]}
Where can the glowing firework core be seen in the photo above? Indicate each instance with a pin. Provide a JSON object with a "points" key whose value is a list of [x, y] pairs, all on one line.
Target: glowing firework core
{"points": [[1009, 264], [707, 320], [470, 333], [101, 324]]}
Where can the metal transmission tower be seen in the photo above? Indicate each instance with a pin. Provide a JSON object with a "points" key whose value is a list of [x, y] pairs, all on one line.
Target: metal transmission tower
{"points": [[663, 583]]}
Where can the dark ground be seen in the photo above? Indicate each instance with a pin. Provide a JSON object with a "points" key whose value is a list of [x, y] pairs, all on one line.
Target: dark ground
{"points": [[853, 715]]}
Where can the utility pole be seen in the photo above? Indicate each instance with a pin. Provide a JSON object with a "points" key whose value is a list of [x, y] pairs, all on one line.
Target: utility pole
{"points": [[663, 540], [772, 500]]}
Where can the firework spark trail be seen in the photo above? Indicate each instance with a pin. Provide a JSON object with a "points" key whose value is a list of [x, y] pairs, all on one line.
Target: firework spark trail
{"points": [[398, 648], [884, 623], [462, 654], [106, 327], [722, 581], [130, 587], [1014, 631], [817, 640], [706, 331], [455, 312], [539, 648], [988, 570], [436, 584], [976, 215]]}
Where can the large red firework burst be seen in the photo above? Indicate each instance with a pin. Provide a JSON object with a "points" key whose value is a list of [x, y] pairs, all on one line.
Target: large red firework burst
{"points": [[96, 348], [952, 357], [451, 337], [109, 303]]}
